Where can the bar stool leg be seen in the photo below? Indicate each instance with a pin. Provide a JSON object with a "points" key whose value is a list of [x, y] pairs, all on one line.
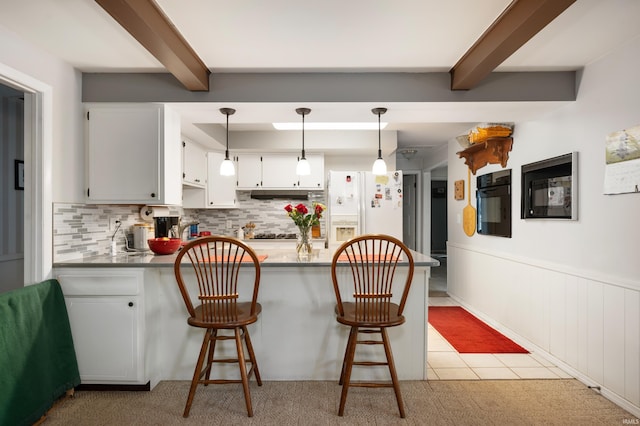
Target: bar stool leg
{"points": [[212, 347], [392, 370], [197, 372], [351, 345], [350, 341], [252, 355], [243, 372]]}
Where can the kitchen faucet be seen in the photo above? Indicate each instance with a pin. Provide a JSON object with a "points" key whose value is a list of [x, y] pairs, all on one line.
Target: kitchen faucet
{"points": [[181, 227]]}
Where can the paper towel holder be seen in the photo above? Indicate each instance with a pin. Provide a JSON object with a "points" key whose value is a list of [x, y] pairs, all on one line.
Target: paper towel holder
{"points": [[146, 213]]}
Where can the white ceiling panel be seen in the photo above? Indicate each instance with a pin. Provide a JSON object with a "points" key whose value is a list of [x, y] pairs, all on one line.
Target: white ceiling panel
{"points": [[327, 36]]}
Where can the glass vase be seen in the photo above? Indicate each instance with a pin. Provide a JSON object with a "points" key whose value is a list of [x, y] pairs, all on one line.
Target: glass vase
{"points": [[304, 245]]}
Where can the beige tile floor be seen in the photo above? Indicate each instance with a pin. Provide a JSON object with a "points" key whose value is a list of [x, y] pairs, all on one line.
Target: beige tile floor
{"points": [[445, 363]]}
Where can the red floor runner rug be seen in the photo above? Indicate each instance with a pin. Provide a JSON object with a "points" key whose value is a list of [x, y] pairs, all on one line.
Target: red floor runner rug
{"points": [[467, 334]]}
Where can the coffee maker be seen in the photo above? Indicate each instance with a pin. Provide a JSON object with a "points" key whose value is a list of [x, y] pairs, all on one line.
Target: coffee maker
{"points": [[163, 225]]}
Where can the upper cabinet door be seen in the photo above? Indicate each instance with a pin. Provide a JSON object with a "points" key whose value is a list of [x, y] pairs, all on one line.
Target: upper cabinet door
{"points": [[194, 164], [316, 179], [279, 171], [133, 155], [249, 171], [221, 190]]}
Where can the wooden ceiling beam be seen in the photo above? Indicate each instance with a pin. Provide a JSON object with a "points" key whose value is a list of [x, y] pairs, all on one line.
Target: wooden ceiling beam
{"points": [[519, 22], [148, 24]]}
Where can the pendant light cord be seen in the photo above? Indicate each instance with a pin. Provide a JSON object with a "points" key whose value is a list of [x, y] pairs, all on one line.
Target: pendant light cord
{"points": [[226, 152], [303, 156], [226, 167], [379, 166], [379, 143], [303, 112]]}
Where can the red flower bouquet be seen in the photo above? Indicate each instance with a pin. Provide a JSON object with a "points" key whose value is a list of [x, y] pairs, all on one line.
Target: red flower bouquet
{"points": [[301, 216], [305, 220]]}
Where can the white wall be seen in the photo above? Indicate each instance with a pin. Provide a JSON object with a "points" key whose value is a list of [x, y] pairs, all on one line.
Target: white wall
{"points": [[569, 288], [604, 241], [68, 150]]}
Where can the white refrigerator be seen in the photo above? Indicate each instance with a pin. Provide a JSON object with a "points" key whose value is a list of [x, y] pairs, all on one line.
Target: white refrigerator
{"points": [[362, 203]]}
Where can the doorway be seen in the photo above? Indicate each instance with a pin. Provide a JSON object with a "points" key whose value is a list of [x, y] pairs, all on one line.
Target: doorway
{"points": [[439, 235], [410, 210], [38, 215], [12, 188]]}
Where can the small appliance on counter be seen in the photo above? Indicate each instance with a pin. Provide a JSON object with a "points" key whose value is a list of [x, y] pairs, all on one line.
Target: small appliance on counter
{"points": [[141, 233], [164, 224]]}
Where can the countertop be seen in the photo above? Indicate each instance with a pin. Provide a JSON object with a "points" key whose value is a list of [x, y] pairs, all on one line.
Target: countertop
{"points": [[275, 258]]}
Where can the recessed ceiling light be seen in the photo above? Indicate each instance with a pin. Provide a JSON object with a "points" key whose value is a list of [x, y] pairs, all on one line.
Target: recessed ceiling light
{"points": [[329, 126]]}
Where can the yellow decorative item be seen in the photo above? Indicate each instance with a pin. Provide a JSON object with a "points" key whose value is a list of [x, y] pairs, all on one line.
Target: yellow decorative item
{"points": [[484, 131], [469, 212]]}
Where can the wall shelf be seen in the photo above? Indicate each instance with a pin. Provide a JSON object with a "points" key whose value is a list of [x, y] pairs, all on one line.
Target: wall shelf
{"points": [[492, 151]]}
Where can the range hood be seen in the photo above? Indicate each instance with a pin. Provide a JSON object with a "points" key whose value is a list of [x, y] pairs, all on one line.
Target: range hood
{"points": [[280, 194]]}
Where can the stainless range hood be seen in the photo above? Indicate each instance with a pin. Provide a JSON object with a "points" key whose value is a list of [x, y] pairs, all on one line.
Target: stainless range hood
{"points": [[280, 194]]}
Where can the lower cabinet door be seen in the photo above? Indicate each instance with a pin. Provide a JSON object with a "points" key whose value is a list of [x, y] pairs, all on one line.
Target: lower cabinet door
{"points": [[106, 337]]}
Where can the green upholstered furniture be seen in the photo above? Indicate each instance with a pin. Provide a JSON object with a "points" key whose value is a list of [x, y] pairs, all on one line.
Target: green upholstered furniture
{"points": [[37, 357]]}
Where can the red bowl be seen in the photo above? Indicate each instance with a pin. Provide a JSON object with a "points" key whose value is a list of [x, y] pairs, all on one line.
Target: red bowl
{"points": [[164, 245]]}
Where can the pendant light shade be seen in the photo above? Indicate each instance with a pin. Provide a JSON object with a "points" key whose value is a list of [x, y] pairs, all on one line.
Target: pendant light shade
{"points": [[303, 168], [379, 166], [226, 167]]}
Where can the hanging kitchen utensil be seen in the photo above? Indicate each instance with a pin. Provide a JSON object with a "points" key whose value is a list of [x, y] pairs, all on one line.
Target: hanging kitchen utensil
{"points": [[469, 212]]}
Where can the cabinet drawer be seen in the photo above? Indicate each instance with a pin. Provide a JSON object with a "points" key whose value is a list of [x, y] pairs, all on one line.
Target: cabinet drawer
{"points": [[97, 284]]}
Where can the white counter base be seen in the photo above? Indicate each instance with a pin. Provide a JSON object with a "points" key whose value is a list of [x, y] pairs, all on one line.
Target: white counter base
{"points": [[297, 336]]}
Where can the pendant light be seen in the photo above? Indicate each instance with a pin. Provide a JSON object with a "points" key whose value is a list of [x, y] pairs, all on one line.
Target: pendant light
{"points": [[303, 168], [379, 166], [226, 167]]}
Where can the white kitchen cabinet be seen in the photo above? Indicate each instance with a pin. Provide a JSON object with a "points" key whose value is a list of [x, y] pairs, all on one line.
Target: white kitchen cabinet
{"points": [[194, 164], [133, 154], [279, 171], [221, 190], [316, 180], [106, 309], [249, 171]]}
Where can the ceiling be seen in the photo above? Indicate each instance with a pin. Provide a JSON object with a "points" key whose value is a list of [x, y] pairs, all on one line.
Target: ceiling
{"points": [[332, 36]]}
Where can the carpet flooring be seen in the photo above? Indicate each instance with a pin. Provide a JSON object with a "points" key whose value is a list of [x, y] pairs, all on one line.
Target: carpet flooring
{"points": [[487, 402], [467, 334]]}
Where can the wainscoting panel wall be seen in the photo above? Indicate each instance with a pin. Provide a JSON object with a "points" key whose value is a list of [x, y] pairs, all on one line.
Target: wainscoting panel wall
{"points": [[588, 325]]}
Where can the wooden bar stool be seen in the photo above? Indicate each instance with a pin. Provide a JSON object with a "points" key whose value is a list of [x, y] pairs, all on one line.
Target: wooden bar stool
{"points": [[212, 277], [366, 306]]}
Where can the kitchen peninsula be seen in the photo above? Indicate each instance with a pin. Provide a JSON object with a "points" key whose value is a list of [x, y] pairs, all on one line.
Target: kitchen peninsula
{"points": [[295, 338]]}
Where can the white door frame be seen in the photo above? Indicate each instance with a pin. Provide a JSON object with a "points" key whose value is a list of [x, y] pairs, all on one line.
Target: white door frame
{"points": [[38, 164]]}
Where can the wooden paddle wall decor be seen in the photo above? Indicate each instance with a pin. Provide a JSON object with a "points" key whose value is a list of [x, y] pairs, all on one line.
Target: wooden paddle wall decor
{"points": [[469, 212]]}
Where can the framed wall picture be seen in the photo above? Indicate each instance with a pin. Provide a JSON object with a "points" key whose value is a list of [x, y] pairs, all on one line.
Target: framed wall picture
{"points": [[19, 175]]}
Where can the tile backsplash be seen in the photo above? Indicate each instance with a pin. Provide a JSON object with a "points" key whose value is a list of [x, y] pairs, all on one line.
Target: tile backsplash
{"points": [[82, 230]]}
